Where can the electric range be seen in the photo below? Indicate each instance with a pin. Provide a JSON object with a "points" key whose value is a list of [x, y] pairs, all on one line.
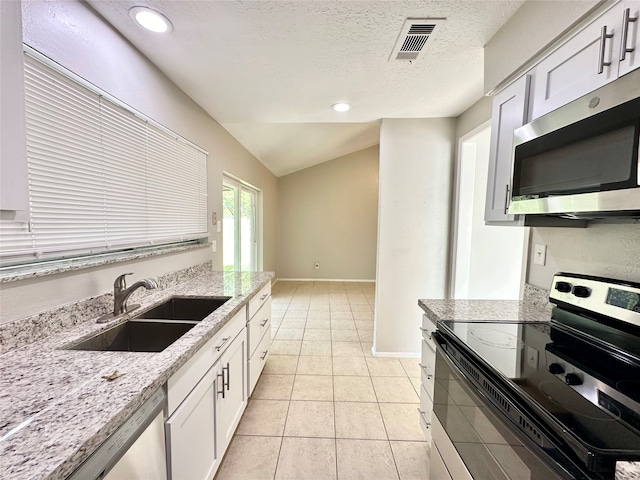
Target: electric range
{"points": [[546, 400]]}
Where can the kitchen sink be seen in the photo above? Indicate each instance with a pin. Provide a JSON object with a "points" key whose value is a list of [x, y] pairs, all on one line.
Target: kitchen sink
{"points": [[137, 336], [184, 308]]}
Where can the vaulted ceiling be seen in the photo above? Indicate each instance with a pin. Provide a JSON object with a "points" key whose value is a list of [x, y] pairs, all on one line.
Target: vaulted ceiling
{"points": [[269, 71]]}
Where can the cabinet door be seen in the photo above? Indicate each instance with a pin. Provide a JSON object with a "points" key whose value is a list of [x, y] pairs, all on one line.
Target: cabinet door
{"points": [[580, 65], [191, 433], [630, 43], [509, 112], [231, 366]]}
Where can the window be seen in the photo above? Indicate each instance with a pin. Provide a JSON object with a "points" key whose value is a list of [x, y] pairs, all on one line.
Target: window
{"points": [[239, 226], [101, 176]]}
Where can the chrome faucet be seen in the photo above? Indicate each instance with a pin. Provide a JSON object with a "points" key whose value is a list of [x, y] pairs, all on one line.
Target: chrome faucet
{"points": [[121, 293]]}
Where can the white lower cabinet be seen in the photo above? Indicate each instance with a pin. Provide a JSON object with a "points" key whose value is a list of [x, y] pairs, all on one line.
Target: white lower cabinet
{"points": [[232, 397], [437, 468], [191, 433], [206, 408]]}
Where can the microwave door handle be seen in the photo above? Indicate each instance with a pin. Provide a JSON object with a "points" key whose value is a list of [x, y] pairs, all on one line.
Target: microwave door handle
{"points": [[626, 20], [603, 44]]}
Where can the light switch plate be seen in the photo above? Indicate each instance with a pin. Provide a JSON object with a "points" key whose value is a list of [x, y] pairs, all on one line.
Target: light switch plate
{"points": [[218, 226], [214, 246], [540, 254]]}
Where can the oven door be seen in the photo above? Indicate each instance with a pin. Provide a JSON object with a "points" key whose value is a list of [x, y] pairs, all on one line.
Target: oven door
{"points": [[485, 439]]}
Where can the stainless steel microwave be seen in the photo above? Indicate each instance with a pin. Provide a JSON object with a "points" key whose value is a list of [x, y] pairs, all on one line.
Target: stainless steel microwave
{"points": [[581, 160]]}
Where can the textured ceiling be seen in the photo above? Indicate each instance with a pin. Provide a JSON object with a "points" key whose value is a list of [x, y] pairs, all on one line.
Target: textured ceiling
{"points": [[268, 71]]}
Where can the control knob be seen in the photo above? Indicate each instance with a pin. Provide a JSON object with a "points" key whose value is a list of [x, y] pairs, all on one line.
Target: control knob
{"points": [[581, 292], [556, 368], [572, 379], [563, 287]]}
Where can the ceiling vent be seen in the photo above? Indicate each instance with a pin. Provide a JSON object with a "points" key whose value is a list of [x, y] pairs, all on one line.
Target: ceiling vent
{"points": [[414, 36]]}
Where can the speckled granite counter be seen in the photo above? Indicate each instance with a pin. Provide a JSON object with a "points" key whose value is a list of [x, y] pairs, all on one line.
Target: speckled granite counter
{"points": [[489, 310], [55, 407], [507, 310]]}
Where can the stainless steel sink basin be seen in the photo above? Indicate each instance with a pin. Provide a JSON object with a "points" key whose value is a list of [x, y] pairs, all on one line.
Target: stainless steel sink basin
{"points": [[184, 308], [137, 336]]}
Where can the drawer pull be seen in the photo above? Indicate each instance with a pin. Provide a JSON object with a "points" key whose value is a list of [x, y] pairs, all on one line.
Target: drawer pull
{"points": [[262, 297], [422, 414], [425, 330], [424, 367], [264, 355], [264, 322], [224, 340]]}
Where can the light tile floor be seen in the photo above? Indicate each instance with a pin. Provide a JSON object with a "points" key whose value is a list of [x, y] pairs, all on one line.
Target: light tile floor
{"points": [[324, 408]]}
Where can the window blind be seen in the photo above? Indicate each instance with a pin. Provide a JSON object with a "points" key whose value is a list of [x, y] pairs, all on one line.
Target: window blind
{"points": [[101, 176]]}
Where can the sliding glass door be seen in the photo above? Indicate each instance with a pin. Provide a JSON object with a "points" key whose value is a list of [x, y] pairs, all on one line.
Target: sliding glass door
{"points": [[239, 226]]}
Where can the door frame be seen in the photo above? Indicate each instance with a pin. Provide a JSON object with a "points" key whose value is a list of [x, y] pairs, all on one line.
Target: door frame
{"points": [[237, 182]]}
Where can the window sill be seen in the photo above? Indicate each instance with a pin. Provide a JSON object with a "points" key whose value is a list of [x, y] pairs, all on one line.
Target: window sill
{"points": [[24, 272]]}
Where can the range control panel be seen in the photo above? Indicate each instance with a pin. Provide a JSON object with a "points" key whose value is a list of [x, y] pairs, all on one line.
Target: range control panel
{"points": [[613, 298]]}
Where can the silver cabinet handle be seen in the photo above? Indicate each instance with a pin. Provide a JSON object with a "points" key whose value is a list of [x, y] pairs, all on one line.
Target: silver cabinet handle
{"points": [[221, 375], [224, 340], [422, 414], [262, 297], [228, 376], [424, 330], [264, 322], [424, 367], [626, 20], [506, 199], [603, 44], [264, 355]]}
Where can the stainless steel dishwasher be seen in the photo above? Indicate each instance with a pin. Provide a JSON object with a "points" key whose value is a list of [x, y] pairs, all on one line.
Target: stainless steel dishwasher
{"points": [[135, 451]]}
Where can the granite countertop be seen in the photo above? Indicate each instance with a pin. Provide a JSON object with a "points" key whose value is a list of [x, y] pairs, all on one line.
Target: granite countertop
{"points": [[55, 407], [484, 310], [505, 310]]}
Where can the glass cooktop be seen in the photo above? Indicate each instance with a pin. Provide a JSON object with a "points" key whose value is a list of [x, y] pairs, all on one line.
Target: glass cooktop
{"points": [[589, 391]]}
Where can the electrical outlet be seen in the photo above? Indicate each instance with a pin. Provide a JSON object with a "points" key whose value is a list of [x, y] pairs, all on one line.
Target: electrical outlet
{"points": [[540, 254], [532, 357], [317, 265], [214, 246]]}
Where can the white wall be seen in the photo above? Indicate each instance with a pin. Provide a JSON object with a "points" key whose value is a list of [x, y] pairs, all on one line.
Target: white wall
{"points": [[416, 159], [72, 34], [329, 213]]}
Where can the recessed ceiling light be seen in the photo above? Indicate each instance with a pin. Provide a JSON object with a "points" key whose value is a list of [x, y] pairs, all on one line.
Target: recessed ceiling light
{"points": [[151, 20], [341, 107]]}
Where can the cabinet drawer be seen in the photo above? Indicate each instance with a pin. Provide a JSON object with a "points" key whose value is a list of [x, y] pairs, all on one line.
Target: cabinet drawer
{"points": [[426, 410], [258, 360], [427, 329], [258, 325], [186, 378], [258, 300]]}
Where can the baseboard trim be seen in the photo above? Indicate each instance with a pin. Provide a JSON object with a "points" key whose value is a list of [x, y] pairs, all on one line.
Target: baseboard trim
{"points": [[394, 354], [326, 280], [273, 282]]}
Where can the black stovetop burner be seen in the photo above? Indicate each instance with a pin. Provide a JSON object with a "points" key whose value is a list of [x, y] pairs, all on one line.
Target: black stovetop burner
{"points": [[579, 375]]}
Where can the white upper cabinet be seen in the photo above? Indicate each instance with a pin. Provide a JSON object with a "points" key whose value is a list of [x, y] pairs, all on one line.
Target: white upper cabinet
{"points": [[592, 58], [586, 62], [630, 37], [509, 112]]}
